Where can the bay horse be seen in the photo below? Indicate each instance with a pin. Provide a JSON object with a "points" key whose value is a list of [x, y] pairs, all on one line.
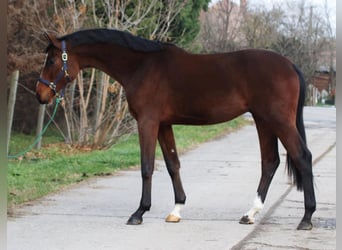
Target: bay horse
{"points": [[167, 85]]}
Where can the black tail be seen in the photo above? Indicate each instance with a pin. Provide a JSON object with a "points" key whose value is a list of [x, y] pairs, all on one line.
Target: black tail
{"points": [[292, 170]]}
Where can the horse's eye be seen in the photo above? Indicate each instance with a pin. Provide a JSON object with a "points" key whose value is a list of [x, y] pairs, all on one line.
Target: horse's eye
{"points": [[50, 62]]}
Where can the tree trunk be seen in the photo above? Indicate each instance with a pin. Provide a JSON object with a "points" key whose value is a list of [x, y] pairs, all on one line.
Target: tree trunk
{"points": [[11, 104]]}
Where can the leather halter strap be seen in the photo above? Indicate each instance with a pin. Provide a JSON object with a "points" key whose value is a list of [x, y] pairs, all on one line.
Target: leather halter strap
{"points": [[61, 74]]}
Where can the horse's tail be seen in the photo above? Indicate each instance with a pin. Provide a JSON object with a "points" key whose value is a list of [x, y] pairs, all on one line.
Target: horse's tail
{"points": [[292, 170]]}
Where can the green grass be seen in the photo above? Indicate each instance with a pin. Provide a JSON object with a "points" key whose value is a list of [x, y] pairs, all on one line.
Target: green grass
{"points": [[58, 165], [19, 142]]}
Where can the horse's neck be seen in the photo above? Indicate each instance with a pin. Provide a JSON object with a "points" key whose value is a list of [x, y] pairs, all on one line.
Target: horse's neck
{"points": [[118, 62]]}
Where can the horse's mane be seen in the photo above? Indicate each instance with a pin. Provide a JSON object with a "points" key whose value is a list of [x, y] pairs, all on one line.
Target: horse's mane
{"points": [[112, 36]]}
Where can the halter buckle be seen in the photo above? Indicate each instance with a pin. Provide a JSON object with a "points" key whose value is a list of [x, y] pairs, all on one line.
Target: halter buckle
{"points": [[52, 86], [64, 56], [59, 96]]}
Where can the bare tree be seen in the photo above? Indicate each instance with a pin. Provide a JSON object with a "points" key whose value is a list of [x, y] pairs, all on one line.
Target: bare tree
{"points": [[220, 27], [331, 34], [95, 109], [260, 27], [110, 96], [295, 29]]}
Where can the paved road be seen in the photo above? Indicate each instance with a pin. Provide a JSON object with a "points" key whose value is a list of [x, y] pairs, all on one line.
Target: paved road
{"points": [[220, 179]]}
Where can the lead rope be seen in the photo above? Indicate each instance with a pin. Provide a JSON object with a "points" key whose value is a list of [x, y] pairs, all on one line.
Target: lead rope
{"points": [[58, 100]]}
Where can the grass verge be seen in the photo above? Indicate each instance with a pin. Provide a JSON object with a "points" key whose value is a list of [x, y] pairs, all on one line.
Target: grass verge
{"points": [[58, 165]]}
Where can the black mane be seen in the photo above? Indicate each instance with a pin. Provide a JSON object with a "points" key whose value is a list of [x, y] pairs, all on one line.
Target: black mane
{"points": [[111, 36]]}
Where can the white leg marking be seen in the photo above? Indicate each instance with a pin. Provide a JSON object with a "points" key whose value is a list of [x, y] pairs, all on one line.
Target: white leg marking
{"points": [[176, 210], [175, 216], [257, 206]]}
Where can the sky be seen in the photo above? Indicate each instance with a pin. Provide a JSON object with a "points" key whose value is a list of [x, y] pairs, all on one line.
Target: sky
{"points": [[315, 3], [331, 3]]}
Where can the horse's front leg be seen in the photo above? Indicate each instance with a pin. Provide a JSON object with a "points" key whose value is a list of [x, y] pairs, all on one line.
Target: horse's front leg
{"points": [[168, 146], [148, 132]]}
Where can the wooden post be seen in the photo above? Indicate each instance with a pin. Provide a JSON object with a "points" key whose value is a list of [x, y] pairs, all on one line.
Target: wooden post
{"points": [[11, 104], [40, 124]]}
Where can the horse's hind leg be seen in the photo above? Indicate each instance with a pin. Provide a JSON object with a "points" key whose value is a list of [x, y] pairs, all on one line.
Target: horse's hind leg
{"points": [[301, 167], [167, 144], [269, 163]]}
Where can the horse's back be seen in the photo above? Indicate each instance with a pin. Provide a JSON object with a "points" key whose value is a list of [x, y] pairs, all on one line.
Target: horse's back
{"points": [[217, 87], [244, 70]]}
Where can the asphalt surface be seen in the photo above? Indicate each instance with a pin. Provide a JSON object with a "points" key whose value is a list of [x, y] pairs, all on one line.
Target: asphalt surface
{"points": [[220, 179]]}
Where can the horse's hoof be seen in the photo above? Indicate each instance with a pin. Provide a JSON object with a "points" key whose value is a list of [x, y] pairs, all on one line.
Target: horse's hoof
{"points": [[246, 220], [304, 225], [134, 221], [172, 218]]}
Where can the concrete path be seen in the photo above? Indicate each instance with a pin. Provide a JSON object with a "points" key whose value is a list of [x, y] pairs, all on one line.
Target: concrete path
{"points": [[220, 179]]}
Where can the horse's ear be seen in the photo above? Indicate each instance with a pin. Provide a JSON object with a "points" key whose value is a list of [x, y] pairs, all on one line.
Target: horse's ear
{"points": [[51, 38]]}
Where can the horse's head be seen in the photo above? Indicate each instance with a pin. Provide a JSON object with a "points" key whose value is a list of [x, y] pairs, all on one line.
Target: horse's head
{"points": [[60, 67]]}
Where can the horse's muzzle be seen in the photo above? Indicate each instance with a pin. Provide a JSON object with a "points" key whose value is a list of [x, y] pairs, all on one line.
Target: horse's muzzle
{"points": [[40, 100]]}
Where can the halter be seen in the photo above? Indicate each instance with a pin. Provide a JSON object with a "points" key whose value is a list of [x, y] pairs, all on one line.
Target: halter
{"points": [[62, 73]]}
